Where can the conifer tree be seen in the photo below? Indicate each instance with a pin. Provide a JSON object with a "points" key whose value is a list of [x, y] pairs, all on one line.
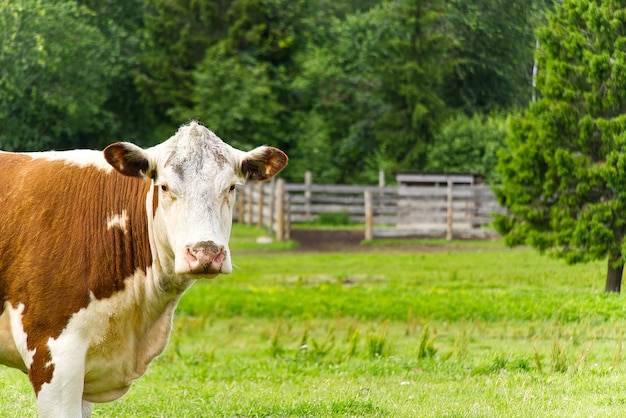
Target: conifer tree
{"points": [[564, 169]]}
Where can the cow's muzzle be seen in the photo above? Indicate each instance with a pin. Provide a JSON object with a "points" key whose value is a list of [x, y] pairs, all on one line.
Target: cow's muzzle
{"points": [[206, 257]]}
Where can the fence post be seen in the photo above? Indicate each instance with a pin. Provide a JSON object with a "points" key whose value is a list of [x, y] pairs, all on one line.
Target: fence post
{"points": [[249, 195], [308, 180], [287, 227], [280, 209], [449, 209], [259, 206], [369, 216], [270, 204], [381, 190], [241, 202]]}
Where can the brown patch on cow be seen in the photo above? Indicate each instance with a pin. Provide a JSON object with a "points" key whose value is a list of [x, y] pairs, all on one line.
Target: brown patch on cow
{"points": [[56, 249], [41, 371]]}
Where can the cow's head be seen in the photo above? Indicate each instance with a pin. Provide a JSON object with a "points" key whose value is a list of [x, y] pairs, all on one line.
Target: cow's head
{"points": [[195, 174]]}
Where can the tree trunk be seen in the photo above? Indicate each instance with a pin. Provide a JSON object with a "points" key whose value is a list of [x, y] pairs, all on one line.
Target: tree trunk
{"points": [[614, 275]]}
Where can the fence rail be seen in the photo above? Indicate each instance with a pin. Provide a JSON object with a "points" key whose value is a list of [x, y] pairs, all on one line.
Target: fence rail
{"points": [[448, 210]]}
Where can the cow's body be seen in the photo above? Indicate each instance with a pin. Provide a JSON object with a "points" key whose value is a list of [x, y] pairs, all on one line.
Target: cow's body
{"points": [[93, 262]]}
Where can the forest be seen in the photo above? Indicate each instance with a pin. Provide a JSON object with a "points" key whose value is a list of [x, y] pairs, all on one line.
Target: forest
{"points": [[345, 87]]}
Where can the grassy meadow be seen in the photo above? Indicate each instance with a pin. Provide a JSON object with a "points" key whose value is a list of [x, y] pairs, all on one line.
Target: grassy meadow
{"points": [[470, 330]]}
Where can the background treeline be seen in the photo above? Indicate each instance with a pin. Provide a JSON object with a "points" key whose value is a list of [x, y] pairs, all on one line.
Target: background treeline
{"points": [[345, 87]]}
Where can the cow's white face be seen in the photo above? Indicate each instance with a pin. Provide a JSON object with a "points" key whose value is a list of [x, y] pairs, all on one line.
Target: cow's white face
{"points": [[194, 174]]}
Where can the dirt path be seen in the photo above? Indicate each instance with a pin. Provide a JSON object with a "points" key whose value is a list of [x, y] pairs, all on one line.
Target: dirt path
{"points": [[327, 240], [322, 240]]}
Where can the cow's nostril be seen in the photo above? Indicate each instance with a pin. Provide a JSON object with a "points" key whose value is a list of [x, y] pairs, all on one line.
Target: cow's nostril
{"points": [[219, 258], [190, 254]]}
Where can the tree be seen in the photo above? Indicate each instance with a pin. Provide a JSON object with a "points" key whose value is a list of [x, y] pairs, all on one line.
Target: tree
{"points": [[236, 99], [131, 118], [372, 87], [339, 82], [493, 54], [176, 36], [243, 88], [564, 169], [469, 145], [413, 60], [53, 80], [346, 7]]}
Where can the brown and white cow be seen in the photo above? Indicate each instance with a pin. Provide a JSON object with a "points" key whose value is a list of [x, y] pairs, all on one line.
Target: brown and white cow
{"points": [[96, 250]]}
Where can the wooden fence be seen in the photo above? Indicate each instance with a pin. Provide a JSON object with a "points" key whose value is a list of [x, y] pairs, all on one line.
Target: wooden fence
{"points": [[450, 211], [265, 204], [434, 212]]}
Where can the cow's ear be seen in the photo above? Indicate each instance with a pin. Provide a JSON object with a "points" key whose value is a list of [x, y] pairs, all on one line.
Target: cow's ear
{"points": [[263, 163], [128, 159]]}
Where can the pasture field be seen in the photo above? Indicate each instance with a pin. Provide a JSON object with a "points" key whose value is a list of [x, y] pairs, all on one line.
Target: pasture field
{"points": [[465, 331]]}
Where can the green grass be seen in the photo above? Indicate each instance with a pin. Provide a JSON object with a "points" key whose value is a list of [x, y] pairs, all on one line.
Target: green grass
{"points": [[482, 332]]}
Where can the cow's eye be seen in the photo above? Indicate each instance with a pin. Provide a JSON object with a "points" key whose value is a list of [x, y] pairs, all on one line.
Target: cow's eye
{"points": [[232, 188], [164, 188]]}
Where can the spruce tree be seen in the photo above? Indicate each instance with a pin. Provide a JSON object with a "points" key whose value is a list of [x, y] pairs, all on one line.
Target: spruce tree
{"points": [[564, 168]]}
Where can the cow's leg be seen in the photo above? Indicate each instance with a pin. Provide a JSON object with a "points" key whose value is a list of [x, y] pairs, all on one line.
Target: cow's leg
{"points": [[62, 395], [87, 408]]}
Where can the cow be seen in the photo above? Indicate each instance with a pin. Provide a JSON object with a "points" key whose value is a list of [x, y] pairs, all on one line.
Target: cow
{"points": [[97, 248]]}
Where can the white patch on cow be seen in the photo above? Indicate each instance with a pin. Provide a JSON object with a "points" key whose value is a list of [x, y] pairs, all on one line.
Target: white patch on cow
{"points": [[119, 220], [80, 157], [19, 336]]}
